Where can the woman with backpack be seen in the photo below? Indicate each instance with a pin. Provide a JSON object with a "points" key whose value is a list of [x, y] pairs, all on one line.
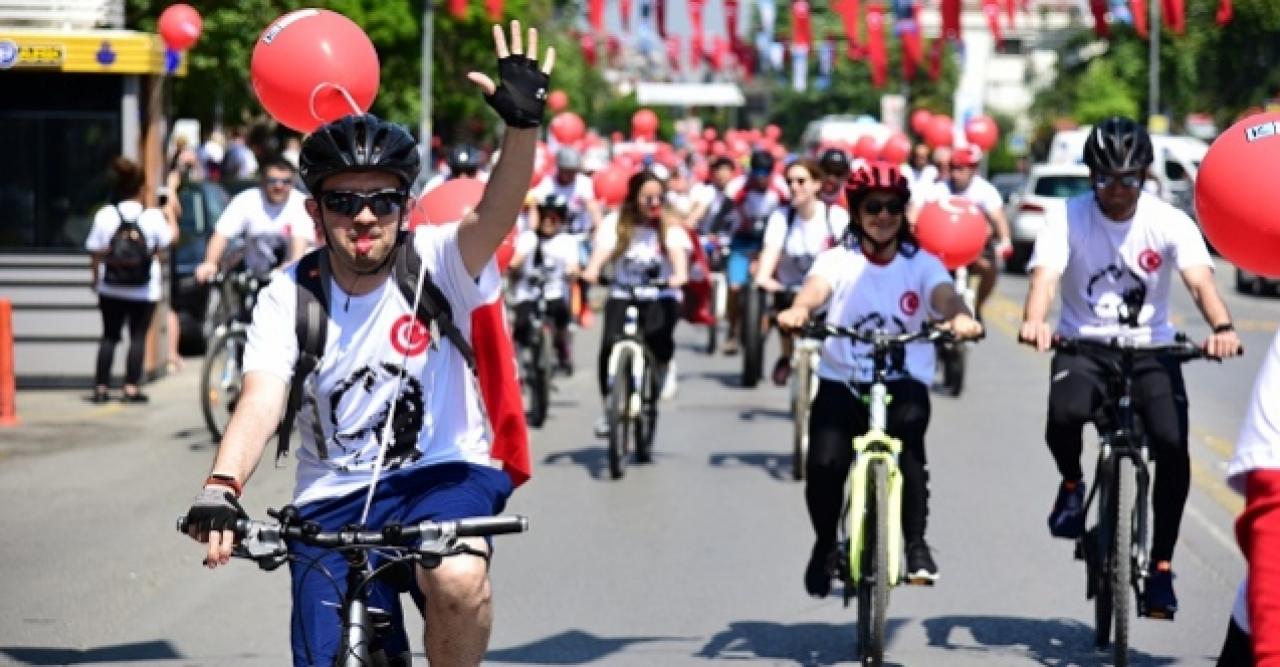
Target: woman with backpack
{"points": [[123, 243]]}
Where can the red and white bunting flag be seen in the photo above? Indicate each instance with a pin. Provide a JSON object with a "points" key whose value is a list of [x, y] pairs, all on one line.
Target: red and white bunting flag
{"points": [[877, 54]]}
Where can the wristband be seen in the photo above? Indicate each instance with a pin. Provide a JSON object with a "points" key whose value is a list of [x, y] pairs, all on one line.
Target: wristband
{"points": [[1224, 328], [229, 481]]}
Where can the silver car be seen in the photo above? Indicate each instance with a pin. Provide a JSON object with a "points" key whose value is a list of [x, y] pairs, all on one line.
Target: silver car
{"points": [[1047, 189]]}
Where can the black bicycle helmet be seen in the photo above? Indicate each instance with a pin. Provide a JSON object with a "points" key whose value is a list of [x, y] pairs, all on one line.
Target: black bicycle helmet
{"points": [[761, 161], [835, 162], [463, 157], [1118, 144], [555, 203], [358, 143]]}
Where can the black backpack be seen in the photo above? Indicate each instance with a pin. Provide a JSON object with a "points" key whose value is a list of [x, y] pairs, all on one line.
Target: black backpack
{"points": [[312, 322], [128, 259]]}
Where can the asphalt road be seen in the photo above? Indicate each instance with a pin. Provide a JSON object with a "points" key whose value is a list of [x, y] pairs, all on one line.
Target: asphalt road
{"points": [[695, 558]]}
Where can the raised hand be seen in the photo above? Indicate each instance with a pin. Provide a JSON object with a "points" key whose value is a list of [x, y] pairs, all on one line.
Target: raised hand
{"points": [[520, 96]]}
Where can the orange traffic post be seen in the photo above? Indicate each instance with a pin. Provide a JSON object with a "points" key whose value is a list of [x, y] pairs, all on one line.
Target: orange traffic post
{"points": [[8, 387]]}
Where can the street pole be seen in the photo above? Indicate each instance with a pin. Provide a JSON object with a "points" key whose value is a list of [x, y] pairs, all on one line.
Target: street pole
{"points": [[1153, 63], [424, 123]]}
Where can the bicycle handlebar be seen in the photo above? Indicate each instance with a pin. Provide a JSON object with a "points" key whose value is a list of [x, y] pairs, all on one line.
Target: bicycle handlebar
{"points": [[660, 283], [1182, 348], [879, 339]]}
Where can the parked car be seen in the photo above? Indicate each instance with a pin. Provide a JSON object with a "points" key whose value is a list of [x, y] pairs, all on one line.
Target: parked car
{"points": [[1008, 185], [1047, 189], [202, 205]]}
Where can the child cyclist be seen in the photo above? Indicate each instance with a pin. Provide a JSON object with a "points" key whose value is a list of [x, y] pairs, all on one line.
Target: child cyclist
{"points": [[545, 260]]}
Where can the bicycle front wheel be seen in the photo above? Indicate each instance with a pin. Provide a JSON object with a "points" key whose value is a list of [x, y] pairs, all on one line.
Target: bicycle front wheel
{"points": [[1122, 560], [221, 381], [619, 402], [802, 375], [873, 588], [647, 421]]}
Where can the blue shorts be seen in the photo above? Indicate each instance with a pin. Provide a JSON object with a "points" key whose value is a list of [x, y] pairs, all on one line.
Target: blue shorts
{"points": [[438, 492], [738, 270]]}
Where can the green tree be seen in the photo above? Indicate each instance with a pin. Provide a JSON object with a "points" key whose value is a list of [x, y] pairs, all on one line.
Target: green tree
{"points": [[1100, 93]]}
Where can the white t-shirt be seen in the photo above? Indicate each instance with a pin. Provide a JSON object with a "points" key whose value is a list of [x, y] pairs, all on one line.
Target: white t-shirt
{"points": [[920, 181], [558, 253], [369, 339], [866, 296], [756, 206], [1259, 443], [155, 229], [980, 192], [642, 256], [802, 240], [577, 193], [717, 201], [1101, 261], [268, 228]]}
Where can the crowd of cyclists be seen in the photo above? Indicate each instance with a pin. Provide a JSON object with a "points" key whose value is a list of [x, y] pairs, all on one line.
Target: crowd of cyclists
{"points": [[826, 236]]}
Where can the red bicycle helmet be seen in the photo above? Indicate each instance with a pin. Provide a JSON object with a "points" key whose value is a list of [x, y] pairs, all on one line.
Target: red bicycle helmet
{"points": [[876, 175]]}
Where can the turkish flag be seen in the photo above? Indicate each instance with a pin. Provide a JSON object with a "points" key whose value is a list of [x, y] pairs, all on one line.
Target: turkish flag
{"points": [[991, 10], [937, 48], [595, 15], [1175, 15], [1139, 10], [495, 363], [849, 10], [801, 28], [951, 19], [1011, 10], [696, 47], [877, 54], [1225, 12], [697, 291], [1099, 9]]}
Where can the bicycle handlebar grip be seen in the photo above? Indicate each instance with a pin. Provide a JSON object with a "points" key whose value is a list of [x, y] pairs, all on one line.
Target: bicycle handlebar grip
{"points": [[492, 525]]}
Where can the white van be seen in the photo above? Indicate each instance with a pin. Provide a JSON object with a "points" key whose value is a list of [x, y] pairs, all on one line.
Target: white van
{"points": [[841, 130], [1177, 160]]}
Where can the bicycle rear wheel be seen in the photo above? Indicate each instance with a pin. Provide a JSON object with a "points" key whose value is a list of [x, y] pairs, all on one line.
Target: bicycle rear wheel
{"points": [[873, 588], [752, 335], [619, 418], [221, 381], [647, 420], [1122, 560], [539, 380], [802, 375]]}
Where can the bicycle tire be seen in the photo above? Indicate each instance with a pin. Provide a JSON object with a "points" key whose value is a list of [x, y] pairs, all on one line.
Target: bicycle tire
{"points": [[218, 392], [712, 334], [752, 336], [800, 416], [647, 420], [1122, 560], [953, 369], [1102, 611], [540, 381], [874, 587], [619, 421]]}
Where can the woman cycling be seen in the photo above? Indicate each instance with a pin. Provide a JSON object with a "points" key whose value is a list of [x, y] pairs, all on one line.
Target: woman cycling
{"points": [[880, 281], [544, 261], [793, 237], [642, 243]]}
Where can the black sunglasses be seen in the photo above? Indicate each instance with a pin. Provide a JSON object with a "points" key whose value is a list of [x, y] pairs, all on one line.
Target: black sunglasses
{"points": [[1130, 181], [350, 204], [874, 206], [797, 181], [279, 181]]}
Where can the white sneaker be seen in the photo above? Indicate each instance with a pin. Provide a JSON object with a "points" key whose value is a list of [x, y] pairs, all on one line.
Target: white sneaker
{"points": [[602, 427], [669, 382]]}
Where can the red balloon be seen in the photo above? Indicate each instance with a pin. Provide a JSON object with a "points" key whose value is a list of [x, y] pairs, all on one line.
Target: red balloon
{"points": [[709, 134], [896, 148], [180, 26], [557, 101], [772, 131], [939, 132], [719, 148], [701, 171], [568, 127], [313, 66], [920, 120], [450, 202], [866, 147], [644, 124], [1236, 195], [611, 184], [952, 229], [982, 132]]}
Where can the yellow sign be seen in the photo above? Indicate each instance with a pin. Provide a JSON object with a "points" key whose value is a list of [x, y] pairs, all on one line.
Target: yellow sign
{"points": [[89, 52], [1158, 124]]}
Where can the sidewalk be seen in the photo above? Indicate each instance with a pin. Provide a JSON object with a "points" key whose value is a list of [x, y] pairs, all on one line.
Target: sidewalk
{"points": [[57, 419]]}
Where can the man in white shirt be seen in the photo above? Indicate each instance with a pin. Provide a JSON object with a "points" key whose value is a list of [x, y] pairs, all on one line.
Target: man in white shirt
{"points": [[576, 188], [1113, 254], [272, 219]]}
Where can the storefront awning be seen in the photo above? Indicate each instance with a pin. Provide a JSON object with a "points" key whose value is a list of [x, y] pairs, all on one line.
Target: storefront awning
{"points": [[690, 94], [88, 52]]}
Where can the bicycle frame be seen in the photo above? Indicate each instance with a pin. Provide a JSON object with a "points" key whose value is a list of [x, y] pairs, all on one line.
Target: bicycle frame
{"points": [[635, 374], [875, 445]]}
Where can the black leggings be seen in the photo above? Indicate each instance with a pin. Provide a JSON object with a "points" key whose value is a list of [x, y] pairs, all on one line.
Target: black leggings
{"points": [[115, 313], [1078, 391], [838, 416], [657, 322], [557, 314]]}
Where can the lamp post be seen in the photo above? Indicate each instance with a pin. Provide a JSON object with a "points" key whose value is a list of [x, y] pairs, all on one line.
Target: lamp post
{"points": [[424, 122], [1153, 62]]}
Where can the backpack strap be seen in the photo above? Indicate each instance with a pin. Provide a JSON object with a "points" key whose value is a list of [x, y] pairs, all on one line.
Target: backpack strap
{"points": [[312, 327], [432, 306]]}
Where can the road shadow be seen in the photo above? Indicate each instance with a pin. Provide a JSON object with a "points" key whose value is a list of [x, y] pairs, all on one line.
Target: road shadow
{"points": [[777, 466], [571, 647], [726, 379], [128, 653], [808, 644], [197, 438], [592, 458], [751, 414], [1048, 641]]}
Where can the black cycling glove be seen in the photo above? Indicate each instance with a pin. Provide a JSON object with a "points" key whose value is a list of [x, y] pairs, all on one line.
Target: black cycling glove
{"points": [[214, 508], [521, 96]]}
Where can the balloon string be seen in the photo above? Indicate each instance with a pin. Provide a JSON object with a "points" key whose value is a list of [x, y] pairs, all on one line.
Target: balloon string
{"points": [[355, 108]]}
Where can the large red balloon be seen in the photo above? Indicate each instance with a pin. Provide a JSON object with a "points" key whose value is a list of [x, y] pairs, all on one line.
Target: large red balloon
{"points": [[611, 184], [940, 131], [1236, 195], [180, 26], [450, 202], [644, 124], [314, 66], [952, 229], [920, 120], [896, 148], [982, 132], [866, 148], [557, 101], [567, 127], [772, 131]]}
